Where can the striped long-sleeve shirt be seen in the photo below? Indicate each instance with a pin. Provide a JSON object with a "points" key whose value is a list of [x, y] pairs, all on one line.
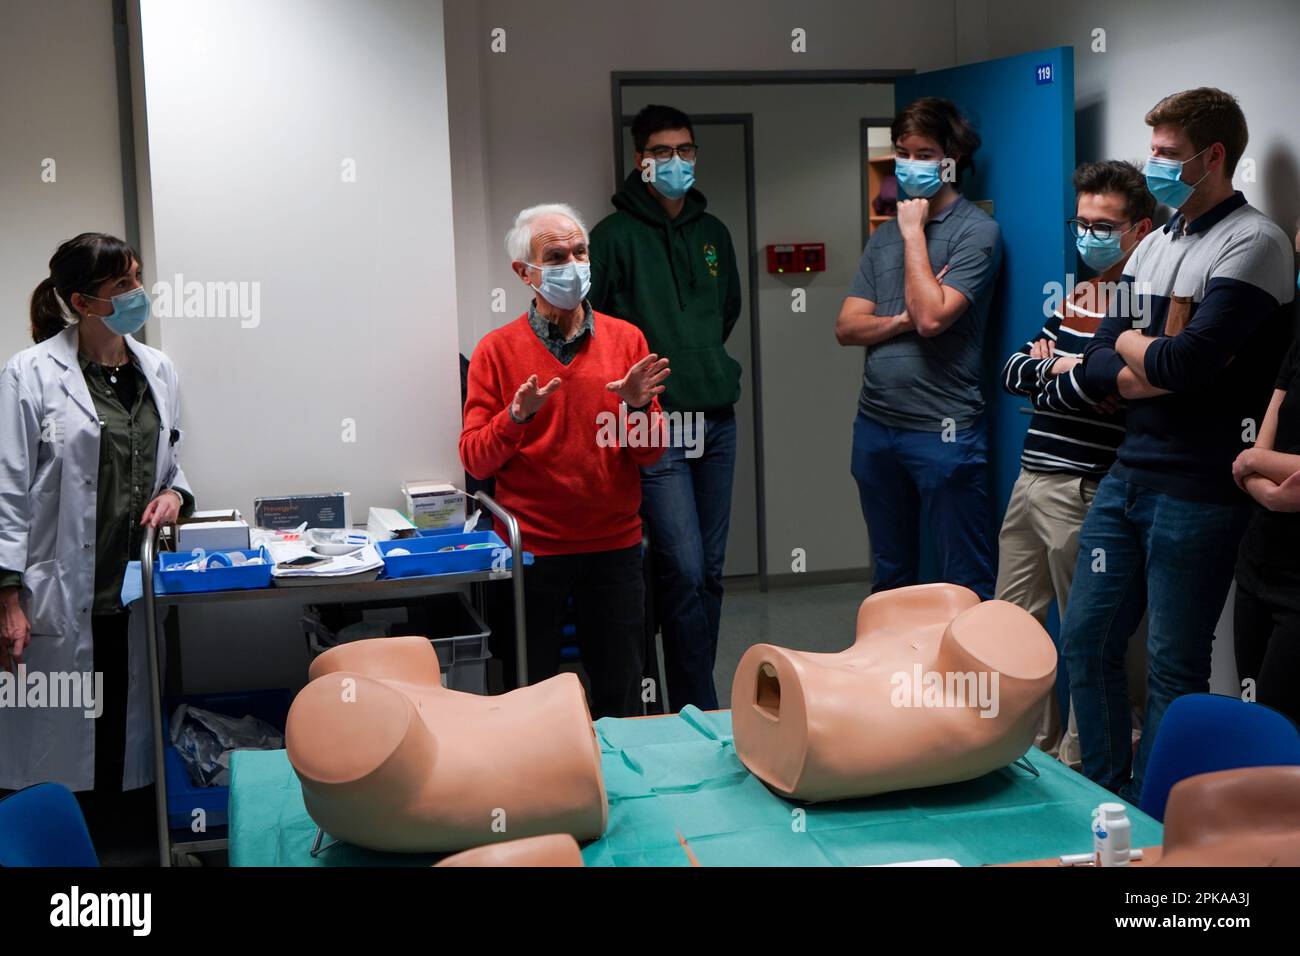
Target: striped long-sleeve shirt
{"points": [[1067, 433]]}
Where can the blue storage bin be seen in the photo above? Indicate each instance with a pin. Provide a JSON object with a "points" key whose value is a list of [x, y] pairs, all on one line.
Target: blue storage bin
{"points": [[183, 797], [233, 578], [427, 557], [432, 532]]}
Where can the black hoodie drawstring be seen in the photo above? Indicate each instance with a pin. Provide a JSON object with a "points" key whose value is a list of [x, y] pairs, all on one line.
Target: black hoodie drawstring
{"points": [[690, 262], [669, 232]]}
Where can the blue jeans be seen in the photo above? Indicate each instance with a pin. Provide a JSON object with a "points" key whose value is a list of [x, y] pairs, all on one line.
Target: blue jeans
{"points": [[900, 470], [686, 505], [1143, 550]]}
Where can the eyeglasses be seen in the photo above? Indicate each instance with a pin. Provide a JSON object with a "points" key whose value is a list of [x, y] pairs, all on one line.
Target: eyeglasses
{"points": [[687, 151], [1101, 231]]}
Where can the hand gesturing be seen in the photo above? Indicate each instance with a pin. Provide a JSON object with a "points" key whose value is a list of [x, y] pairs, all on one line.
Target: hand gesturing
{"points": [[642, 381], [529, 398]]}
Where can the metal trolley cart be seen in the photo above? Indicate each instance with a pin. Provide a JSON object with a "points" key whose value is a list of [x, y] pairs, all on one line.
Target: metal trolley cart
{"points": [[410, 587]]}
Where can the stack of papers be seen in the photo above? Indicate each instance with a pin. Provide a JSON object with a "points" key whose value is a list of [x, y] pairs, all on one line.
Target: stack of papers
{"points": [[297, 562]]}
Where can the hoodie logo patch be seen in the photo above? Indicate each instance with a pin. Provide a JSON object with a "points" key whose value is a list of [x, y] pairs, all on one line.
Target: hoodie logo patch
{"points": [[711, 258]]}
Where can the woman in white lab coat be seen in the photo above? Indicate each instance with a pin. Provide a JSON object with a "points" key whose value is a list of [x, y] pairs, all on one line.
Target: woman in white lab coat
{"points": [[91, 425]]}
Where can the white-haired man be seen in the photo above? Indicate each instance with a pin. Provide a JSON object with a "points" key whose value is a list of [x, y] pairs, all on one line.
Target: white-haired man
{"points": [[542, 391]]}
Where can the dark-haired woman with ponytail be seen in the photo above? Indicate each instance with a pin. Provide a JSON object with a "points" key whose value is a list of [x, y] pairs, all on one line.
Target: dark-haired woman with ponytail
{"points": [[91, 425]]}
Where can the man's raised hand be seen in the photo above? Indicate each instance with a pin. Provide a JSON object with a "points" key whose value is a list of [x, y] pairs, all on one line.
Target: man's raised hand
{"points": [[529, 398], [642, 382]]}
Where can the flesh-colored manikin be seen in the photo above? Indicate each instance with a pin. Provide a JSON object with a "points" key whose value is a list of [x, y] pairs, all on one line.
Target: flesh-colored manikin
{"points": [[869, 719], [554, 849], [391, 760], [1244, 817]]}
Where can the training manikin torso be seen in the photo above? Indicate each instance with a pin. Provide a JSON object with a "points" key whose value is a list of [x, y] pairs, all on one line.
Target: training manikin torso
{"points": [[552, 850], [391, 760], [936, 688], [1244, 817]]}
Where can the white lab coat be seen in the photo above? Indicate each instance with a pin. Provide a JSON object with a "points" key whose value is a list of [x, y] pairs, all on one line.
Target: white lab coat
{"points": [[49, 473]]}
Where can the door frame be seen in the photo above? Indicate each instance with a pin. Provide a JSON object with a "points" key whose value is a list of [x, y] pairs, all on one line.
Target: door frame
{"points": [[618, 79]]}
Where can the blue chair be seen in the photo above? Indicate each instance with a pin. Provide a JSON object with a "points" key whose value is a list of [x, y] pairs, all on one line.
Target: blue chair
{"points": [[1202, 733], [42, 825]]}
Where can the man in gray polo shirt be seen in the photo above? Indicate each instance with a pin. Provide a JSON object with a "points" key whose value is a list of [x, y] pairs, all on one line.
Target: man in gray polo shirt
{"points": [[919, 305]]}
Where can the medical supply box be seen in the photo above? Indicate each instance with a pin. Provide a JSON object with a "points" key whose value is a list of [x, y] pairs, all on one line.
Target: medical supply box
{"points": [[285, 512], [434, 504], [219, 530]]}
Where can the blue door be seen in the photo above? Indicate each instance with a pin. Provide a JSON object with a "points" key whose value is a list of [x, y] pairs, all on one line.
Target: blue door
{"points": [[1023, 108]]}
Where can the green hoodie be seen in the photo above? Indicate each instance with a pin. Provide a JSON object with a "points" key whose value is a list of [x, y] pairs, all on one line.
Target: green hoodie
{"points": [[676, 279]]}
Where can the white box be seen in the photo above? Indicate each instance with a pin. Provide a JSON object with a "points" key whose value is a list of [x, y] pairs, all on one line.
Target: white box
{"points": [[385, 524], [434, 504], [220, 530]]}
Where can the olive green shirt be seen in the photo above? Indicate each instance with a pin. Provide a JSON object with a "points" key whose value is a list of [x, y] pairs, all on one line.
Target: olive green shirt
{"points": [[128, 459]]}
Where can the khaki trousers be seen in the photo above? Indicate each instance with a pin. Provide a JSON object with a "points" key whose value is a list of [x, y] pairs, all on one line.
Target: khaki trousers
{"points": [[1037, 550]]}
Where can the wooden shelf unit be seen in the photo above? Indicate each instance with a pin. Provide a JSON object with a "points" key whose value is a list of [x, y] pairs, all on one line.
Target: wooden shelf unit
{"points": [[878, 167]]}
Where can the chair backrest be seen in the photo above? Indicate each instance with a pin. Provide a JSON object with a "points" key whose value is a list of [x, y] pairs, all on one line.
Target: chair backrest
{"points": [[43, 826], [1202, 733]]}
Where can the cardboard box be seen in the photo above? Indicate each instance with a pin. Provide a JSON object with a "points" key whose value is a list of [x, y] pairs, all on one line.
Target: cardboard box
{"points": [[219, 530], [284, 512], [434, 504]]}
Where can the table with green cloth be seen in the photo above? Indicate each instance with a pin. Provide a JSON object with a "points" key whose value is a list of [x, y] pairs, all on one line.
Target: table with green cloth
{"points": [[678, 778]]}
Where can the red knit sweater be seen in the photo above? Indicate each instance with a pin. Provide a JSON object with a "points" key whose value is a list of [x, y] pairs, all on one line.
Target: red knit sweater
{"points": [[570, 494]]}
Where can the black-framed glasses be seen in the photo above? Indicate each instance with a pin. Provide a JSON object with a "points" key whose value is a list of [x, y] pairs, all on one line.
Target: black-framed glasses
{"points": [[687, 151], [1101, 231]]}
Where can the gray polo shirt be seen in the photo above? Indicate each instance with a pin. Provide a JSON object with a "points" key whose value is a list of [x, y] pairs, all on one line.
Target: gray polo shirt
{"points": [[914, 382]]}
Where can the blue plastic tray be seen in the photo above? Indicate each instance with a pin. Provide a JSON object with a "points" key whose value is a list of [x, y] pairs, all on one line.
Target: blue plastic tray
{"points": [[183, 796], [427, 557], [214, 579], [433, 532]]}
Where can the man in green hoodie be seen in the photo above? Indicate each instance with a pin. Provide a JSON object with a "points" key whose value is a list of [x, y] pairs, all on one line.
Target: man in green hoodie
{"points": [[663, 263]]}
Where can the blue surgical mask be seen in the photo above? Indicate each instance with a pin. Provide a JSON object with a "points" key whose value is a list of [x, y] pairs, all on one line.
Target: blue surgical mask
{"points": [[1165, 180], [674, 177], [1101, 254], [917, 178], [564, 286], [130, 311]]}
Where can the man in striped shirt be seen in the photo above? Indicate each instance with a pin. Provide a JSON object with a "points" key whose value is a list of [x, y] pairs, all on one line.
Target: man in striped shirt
{"points": [[1070, 444]]}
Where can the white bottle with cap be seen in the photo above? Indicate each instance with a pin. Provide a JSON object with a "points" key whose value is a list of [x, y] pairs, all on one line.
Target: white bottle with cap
{"points": [[1111, 835]]}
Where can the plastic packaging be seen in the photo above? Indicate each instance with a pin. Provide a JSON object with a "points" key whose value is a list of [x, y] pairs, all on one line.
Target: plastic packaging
{"points": [[205, 740]]}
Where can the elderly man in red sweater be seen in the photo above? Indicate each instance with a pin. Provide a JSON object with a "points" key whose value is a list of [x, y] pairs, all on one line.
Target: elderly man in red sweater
{"points": [[542, 391]]}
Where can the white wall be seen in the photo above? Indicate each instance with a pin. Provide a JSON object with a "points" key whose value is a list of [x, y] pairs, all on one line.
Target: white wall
{"points": [[58, 101], [1157, 47], [808, 180], [247, 114], [253, 111], [478, 249]]}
